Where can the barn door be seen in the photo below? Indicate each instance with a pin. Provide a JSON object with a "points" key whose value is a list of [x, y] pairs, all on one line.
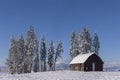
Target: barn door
{"points": [[93, 66]]}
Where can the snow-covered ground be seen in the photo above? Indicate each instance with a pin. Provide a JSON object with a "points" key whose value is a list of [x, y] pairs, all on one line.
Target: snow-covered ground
{"points": [[63, 75], [66, 75]]}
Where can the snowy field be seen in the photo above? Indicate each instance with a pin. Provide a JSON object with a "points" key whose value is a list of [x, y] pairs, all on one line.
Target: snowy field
{"points": [[63, 75]]}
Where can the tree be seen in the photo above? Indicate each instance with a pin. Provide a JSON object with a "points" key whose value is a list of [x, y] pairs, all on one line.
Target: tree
{"points": [[36, 63], [31, 50], [20, 55], [12, 58], [51, 53], [88, 39], [36, 59], [74, 48], [59, 50], [43, 54], [83, 48], [85, 41], [27, 60], [96, 44]]}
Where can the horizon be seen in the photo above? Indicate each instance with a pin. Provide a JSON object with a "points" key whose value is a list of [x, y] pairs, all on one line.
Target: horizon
{"points": [[56, 20]]}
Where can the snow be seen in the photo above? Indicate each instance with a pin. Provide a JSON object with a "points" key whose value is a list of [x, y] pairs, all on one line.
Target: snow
{"points": [[81, 58], [62, 75]]}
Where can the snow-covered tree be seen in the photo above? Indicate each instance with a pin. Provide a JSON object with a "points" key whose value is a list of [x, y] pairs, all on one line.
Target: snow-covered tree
{"points": [[20, 55], [51, 53], [43, 54], [85, 41], [74, 48], [59, 50], [36, 58], [36, 63], [27, 60], [88, 39], [31, 50], [83, 47], [12, 58], [96, 44]]}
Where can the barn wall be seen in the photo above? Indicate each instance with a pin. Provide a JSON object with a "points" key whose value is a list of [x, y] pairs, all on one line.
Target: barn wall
{"points": [[93, 59], [77, 67]]}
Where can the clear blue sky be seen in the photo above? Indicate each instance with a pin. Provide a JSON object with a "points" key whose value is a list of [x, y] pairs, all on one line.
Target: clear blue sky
{"points": [[56, 19]]}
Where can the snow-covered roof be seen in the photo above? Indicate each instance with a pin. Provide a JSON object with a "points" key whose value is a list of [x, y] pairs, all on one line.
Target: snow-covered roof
{"points": [[81, 58]]}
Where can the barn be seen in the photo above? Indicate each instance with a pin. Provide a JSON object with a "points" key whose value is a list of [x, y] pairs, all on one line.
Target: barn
{"points": [[87, 62]]}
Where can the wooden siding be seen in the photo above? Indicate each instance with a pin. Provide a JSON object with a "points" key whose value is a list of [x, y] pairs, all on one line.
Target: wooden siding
{"points": [[77, 67]]}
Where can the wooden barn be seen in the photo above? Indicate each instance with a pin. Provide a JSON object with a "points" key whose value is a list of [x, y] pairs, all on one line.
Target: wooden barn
{"points": [[87, 62]]}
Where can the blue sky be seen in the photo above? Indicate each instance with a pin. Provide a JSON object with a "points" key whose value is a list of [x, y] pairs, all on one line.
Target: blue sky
{"points": [[57, 19]]}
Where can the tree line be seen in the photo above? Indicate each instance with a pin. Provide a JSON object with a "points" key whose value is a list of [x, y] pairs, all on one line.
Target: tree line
{"points": [[83, 43], [25, 56]]}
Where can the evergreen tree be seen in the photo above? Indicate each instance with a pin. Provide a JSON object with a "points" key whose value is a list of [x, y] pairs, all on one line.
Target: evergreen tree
{"points": [[36, 59], [59, 50], [83, 48], [51, 53], [74, 48], [27, 60], [20, 55], [96, 44], [43, 54], [88, 39], [36, 63], [85, 41], [31, 50], [12, 58]]}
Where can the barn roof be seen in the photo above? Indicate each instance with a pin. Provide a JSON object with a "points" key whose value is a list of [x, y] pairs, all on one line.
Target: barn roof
{"points": [[81, 58]]}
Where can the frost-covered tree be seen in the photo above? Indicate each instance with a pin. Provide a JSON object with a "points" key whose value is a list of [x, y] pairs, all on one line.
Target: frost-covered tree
{"points": [[36, 63], [27, 60], [83, 47], [96, 44], [43, 54], [51, 53], [74, 48], [88, 39], [85, 41], [31, 50], [59, 50], [20, 55], [12, 58], [36, 58]]}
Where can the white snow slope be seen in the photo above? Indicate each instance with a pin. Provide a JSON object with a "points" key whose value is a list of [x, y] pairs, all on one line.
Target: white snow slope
{"points": [[63, 75]]}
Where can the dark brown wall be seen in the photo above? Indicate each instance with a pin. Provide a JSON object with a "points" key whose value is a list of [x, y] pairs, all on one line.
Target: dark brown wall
{"points": [[98, 63]]}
